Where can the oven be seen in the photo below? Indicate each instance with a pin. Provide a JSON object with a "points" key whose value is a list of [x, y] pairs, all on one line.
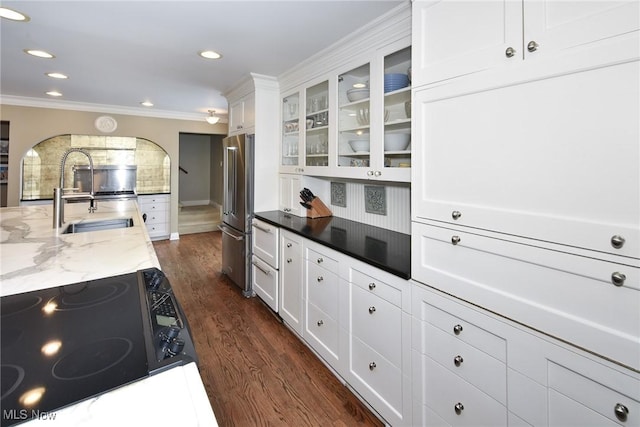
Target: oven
{"points": [[65, 344]]}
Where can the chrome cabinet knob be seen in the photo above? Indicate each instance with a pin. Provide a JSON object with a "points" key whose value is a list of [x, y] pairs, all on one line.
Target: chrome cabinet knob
{"points": [[372, 310], [369, 173], [320, 278], [457, 329], [455, 240], [509, 52], [618, 278], [621, 411], [320, 260], [372, 286], [289, 260], [372, 366], [288, 245], [320, 323], [458, 360], [532, 46], [456, 214], [617, 241], [458, 407], [377, 173]]}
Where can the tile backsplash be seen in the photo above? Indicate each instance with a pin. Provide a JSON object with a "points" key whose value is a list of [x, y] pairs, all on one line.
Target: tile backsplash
{"points": [[389, 203]]}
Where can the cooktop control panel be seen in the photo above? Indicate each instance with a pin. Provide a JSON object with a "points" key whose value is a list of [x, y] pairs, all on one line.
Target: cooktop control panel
{"points": [[171, 343]]}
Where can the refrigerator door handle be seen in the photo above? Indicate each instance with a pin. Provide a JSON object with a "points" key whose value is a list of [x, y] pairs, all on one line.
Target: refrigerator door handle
{"points": [[225, 231]]}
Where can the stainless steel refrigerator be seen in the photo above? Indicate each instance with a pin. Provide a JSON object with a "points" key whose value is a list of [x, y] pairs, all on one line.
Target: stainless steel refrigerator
{"points": [[237, 210]]}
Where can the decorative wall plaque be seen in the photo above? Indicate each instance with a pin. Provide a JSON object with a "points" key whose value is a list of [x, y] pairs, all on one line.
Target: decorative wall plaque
{"points": [[106, 124]]}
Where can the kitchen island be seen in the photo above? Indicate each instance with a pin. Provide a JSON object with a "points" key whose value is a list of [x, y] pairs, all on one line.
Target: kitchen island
{"points": [[34, 256]]}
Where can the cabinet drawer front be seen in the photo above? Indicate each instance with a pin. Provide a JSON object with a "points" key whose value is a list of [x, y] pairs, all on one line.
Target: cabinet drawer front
{"points": [[478, 368], [322, 289], [377, 287], [378, 323], [460, 329], [322, 331], [322, 260], [566, 296], [377, 374], [444, 390], [592, 395], [265, 242], [155, 217], [154, 199], [265, 282]]}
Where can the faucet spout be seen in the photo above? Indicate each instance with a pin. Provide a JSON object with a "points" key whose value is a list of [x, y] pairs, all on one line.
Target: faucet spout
{"points": [[58, 192]]}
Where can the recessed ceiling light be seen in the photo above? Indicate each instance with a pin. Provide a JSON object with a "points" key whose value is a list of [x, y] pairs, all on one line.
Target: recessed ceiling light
{"points": [[58, 75], [147, 103], [13, 15], [39, 53], [54, 93], [209, 54]]}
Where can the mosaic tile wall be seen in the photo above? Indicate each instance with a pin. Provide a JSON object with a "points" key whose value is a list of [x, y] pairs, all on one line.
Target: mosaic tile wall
{"points": [[41, 165]]}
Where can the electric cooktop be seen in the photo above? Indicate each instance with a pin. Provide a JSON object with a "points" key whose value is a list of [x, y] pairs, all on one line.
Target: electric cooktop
{"points": [[66, 344]]}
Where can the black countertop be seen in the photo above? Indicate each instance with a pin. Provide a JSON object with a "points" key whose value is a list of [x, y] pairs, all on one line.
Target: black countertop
{"points": [[387, 250]]}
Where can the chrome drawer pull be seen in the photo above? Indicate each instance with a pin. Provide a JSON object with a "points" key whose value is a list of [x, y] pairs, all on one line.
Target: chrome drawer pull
{"points": [[617, 241], [621, 411], [320, 323], [320, 260], [457, 329], [618, 278], [266, 230], [320, 278], [459, 407], [458, 360], [289, 260], [456, 214], [372, 286], [455, 240], [372, 310], [264, 270], [288, 245], [372, 366]]}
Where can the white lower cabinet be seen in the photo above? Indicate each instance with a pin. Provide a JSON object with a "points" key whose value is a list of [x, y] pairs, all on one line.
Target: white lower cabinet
{"points": [[264, 260], [155, 211], [474, 368], [291, 278]]}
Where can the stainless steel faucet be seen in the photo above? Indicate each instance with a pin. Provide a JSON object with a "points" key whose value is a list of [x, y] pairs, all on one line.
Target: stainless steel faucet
{"points": [[58, 192]]}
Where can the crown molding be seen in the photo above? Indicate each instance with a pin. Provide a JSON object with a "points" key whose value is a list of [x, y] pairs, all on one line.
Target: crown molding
{"points": [[22, 101]]}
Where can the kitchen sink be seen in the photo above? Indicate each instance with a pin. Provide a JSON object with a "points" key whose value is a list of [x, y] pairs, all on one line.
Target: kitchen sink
{"points": [[105, 224]]}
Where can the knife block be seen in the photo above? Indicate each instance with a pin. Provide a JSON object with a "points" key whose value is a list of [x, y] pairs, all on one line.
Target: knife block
{"points": [[318, 209]]}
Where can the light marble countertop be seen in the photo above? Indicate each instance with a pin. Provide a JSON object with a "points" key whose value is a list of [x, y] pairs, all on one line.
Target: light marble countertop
{"points": [[34, 256]]}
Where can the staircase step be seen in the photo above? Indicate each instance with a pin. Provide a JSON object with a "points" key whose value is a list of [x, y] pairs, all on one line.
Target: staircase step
{"points": [[198, 219]]}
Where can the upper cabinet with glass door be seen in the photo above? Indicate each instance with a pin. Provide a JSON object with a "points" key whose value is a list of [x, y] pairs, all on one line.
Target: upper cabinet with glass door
{"points": [[290, 157], [397, 114], [317, 126], [354, 108]]}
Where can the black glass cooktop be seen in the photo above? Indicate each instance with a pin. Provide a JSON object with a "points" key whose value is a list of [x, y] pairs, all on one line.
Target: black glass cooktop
{"points": [[65, 344]]}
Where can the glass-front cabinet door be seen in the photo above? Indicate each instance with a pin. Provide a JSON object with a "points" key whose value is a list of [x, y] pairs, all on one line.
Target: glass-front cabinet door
{"points": [[354, 114], [317, 125], [290, 149], [397, 114]]}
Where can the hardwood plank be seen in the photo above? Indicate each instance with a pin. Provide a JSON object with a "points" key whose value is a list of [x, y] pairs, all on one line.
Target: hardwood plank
{"points": [[254, 369]]}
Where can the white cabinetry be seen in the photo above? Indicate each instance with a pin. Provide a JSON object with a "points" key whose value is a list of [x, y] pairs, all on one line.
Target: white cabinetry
{"points": [[155, 211], [475, 368], [462, 38], [264, 260], [291, 280], [242, 115], [290, 187]]}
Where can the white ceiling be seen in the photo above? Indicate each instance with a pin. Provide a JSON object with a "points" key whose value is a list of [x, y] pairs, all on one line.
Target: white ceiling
{"points": [[120, 53]]}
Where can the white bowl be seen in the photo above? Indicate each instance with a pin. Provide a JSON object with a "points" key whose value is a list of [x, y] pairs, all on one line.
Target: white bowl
{"points": [[357, 94], [396, 141], [359, 145]]}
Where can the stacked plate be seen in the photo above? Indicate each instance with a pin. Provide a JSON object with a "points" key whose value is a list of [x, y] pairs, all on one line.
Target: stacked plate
{"points": [[395, 81]]}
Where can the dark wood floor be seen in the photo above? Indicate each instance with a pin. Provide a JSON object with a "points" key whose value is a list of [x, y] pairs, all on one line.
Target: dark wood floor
{"points": [[255, 371]]}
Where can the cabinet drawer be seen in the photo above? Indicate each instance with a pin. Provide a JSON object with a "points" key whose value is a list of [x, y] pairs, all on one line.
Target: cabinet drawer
{"points": [[589, 396], [322, 288], [265, 282], [485, 372], [158, 229], [567, 296], [459, 329], [155, 216], [376, 373], [377, 323], [377, 287], [322, 260], [265, 242], [445, 390], [323, 330]]}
